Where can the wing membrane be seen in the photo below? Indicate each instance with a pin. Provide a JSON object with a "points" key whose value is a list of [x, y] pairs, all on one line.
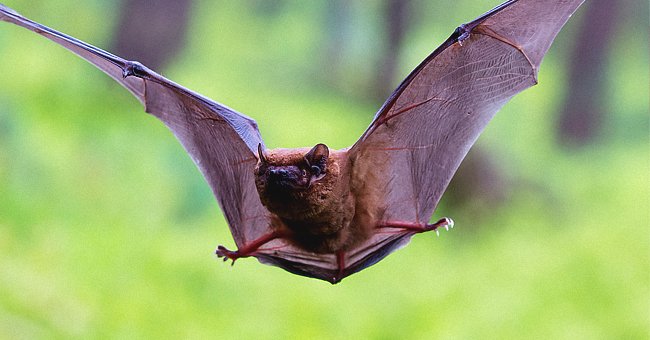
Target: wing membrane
{"points": [[426, 127], [221, 141]]}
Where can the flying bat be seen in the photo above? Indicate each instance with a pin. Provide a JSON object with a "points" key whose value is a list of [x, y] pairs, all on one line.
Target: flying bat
{"points": [[327, 213]]}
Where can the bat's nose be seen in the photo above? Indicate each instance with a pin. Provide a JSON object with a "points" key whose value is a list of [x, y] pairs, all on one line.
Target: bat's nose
{"points": [[279, 172]]}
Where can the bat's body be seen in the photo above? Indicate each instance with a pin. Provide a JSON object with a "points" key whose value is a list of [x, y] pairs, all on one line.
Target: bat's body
{"points": [[317, 216], [330, 213], [323, 202]]}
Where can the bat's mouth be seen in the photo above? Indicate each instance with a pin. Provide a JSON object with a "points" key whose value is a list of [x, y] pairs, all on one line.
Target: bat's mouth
{"points": [[286, 184]]}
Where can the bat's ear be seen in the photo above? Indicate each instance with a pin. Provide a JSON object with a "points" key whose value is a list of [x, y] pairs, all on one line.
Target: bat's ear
{"points": [[261, 154], [317, 156]]}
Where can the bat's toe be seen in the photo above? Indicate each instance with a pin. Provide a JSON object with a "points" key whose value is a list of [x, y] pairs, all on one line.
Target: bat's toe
{"points": [[227, 254]]}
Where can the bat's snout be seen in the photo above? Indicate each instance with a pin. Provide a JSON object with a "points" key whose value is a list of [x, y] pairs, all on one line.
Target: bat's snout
{"points": [[279, 173]]}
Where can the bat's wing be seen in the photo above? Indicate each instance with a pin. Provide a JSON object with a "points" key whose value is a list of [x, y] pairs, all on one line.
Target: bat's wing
{"points": [[221, 142], [426, 127]]}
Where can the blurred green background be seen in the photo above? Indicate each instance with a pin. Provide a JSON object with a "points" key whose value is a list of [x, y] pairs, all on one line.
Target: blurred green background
{"points": [[108, 230]]}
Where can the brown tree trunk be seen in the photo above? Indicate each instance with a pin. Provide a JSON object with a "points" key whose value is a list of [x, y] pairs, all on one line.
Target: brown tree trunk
{"points": [[581, 119], [336, 23], [396, 16], [151, 32], [479, 185]]}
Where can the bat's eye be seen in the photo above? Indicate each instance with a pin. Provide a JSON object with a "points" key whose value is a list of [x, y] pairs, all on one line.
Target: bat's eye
{"points": [[316, 171], [303, 172]]}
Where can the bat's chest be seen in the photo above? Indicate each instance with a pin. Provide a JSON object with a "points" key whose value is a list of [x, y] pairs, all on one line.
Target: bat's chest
{"points": [[319, 236], [318, 225], [290, 205]]}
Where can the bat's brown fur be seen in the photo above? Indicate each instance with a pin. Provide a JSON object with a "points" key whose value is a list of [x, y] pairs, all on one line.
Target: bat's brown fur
{"points": [[322, 218]]}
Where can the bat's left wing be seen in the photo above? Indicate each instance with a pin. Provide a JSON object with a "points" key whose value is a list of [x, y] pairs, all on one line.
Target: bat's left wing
{"points": [[221, 141], [426, 127]]}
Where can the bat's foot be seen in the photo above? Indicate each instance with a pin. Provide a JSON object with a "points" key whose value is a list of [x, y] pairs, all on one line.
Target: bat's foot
{"points": [[444, 222], [248, 249], [229, 254]]}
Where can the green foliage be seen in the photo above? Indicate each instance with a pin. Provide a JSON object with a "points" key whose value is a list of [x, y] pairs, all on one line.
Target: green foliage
{"points": [[107, 229]]}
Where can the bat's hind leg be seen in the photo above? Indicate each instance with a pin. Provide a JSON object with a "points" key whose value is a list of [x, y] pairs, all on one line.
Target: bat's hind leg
{"points": [[248, 249], [444, 222]]}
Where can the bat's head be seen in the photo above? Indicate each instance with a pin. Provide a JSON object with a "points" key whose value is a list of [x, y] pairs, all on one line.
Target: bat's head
{"points": [[292, 173], [295, 180]]}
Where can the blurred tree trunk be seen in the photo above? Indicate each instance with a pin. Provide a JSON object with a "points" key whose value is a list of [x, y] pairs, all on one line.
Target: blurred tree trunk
{"points": [[479, 185], [337, 21], [396, 15], [581, 118], [267, 8], [151, 32]]}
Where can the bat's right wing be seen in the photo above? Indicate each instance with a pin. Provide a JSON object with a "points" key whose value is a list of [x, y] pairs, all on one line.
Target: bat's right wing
{"points": [[221, 141]]}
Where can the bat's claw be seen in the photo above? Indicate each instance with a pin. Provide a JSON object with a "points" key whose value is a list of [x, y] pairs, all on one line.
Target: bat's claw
{"points": [[444, 222], [133, 68], [227, 254], [462, 33]]}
